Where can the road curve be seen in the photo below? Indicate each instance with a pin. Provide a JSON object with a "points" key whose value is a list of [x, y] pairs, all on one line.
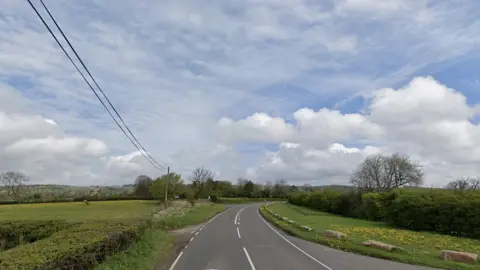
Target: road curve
{"points": [[240, 239]]}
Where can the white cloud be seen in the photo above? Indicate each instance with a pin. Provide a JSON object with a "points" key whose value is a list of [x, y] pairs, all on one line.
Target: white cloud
{"points": [[58, 146], [258, 127], [174, 68], [424, 119]]}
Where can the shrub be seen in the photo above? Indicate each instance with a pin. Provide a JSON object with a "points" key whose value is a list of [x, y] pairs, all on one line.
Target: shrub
{"points": [[348, 204], [371, 207], [443, 211], [80, 247], [14, 233], [440, 211]]}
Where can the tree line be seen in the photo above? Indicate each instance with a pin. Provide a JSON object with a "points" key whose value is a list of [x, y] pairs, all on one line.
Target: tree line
{"points": [[377, 173], [203, 185]]}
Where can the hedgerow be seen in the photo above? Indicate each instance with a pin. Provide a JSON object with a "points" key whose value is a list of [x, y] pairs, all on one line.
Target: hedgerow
{"points": [[78, 247], [443, 211], [14, 233]]}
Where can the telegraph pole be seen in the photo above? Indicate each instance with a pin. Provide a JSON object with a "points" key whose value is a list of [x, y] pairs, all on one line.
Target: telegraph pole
{"points": [[166, 188]]}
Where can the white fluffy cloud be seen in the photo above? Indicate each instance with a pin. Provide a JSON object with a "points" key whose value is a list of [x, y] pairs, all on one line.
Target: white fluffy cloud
{"points": [[424, 119], [174, 68], [38, 147]]}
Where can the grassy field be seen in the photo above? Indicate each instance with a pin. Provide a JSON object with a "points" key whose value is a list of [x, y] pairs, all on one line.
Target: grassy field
{"points": [[419, 247], [44, 236], [78, 211]]}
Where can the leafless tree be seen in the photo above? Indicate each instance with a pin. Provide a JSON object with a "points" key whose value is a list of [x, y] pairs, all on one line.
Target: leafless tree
{"points": [[14, 182], [383, 173], [465, 183], [199, 178]]}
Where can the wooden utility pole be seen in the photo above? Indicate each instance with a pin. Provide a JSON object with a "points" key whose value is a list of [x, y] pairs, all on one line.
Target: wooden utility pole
{"points": [[166, 188]]}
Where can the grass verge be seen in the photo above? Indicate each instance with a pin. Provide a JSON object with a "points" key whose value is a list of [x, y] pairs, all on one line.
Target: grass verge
{"points": [[420, 248], [152, 247], [156, 242]]}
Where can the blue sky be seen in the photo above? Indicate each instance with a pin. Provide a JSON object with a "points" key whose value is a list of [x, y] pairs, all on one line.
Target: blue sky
{"points": [[175, 68]]}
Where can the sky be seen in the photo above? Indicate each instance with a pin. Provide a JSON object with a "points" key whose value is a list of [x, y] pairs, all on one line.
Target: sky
{"points": [[298, 90]]}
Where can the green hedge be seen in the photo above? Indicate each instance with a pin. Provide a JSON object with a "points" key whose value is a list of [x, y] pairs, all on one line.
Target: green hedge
{"points": [[79, 247], [443, 211], [455, 213], [14, 233]]}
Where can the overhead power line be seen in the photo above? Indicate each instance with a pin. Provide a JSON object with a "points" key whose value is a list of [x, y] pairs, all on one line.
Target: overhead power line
{"points": [[134, 141]]}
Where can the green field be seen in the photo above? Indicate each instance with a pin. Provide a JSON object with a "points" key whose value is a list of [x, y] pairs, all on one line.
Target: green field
{"points": [[77, 211], [102, 235], [419, 247]]}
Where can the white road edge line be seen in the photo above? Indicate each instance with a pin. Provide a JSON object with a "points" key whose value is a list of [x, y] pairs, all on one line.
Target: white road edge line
{"points": [[238, 232], [238, 213], [176, 261], [248, 258], [191, 239], [292, 244]]}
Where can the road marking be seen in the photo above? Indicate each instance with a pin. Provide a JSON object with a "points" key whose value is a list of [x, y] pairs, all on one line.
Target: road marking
{"points": [[292, 244], [248, 258], [176, 261], [238, 213], [238, 232], [191, 239]]}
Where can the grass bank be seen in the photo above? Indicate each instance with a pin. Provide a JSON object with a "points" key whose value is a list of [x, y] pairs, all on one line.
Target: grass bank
{"points": [[419, 248], [156, 243]]}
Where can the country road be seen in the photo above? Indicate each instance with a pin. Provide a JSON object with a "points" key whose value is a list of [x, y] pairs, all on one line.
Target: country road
{"points": [[240, 239]]}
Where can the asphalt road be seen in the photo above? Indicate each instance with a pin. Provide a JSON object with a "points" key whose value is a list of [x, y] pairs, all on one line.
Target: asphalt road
{"points": [[240, 239]]}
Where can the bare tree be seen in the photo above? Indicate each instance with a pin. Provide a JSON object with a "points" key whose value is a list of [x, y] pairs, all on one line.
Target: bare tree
{"points": [[383, 173], [14, 182], [475, 183], [199, 178], [465, 183]]}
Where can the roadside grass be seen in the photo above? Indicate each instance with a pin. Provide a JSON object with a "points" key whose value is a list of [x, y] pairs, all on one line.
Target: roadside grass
{"points": [[78, 211], [185, 216], [154, 246], [420, 248]]}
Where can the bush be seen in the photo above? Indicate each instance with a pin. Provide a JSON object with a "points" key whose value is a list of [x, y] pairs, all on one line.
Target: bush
{"points": [[14, 233], [440, 211], [443, 211], [80, 247], [371, 207]]}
